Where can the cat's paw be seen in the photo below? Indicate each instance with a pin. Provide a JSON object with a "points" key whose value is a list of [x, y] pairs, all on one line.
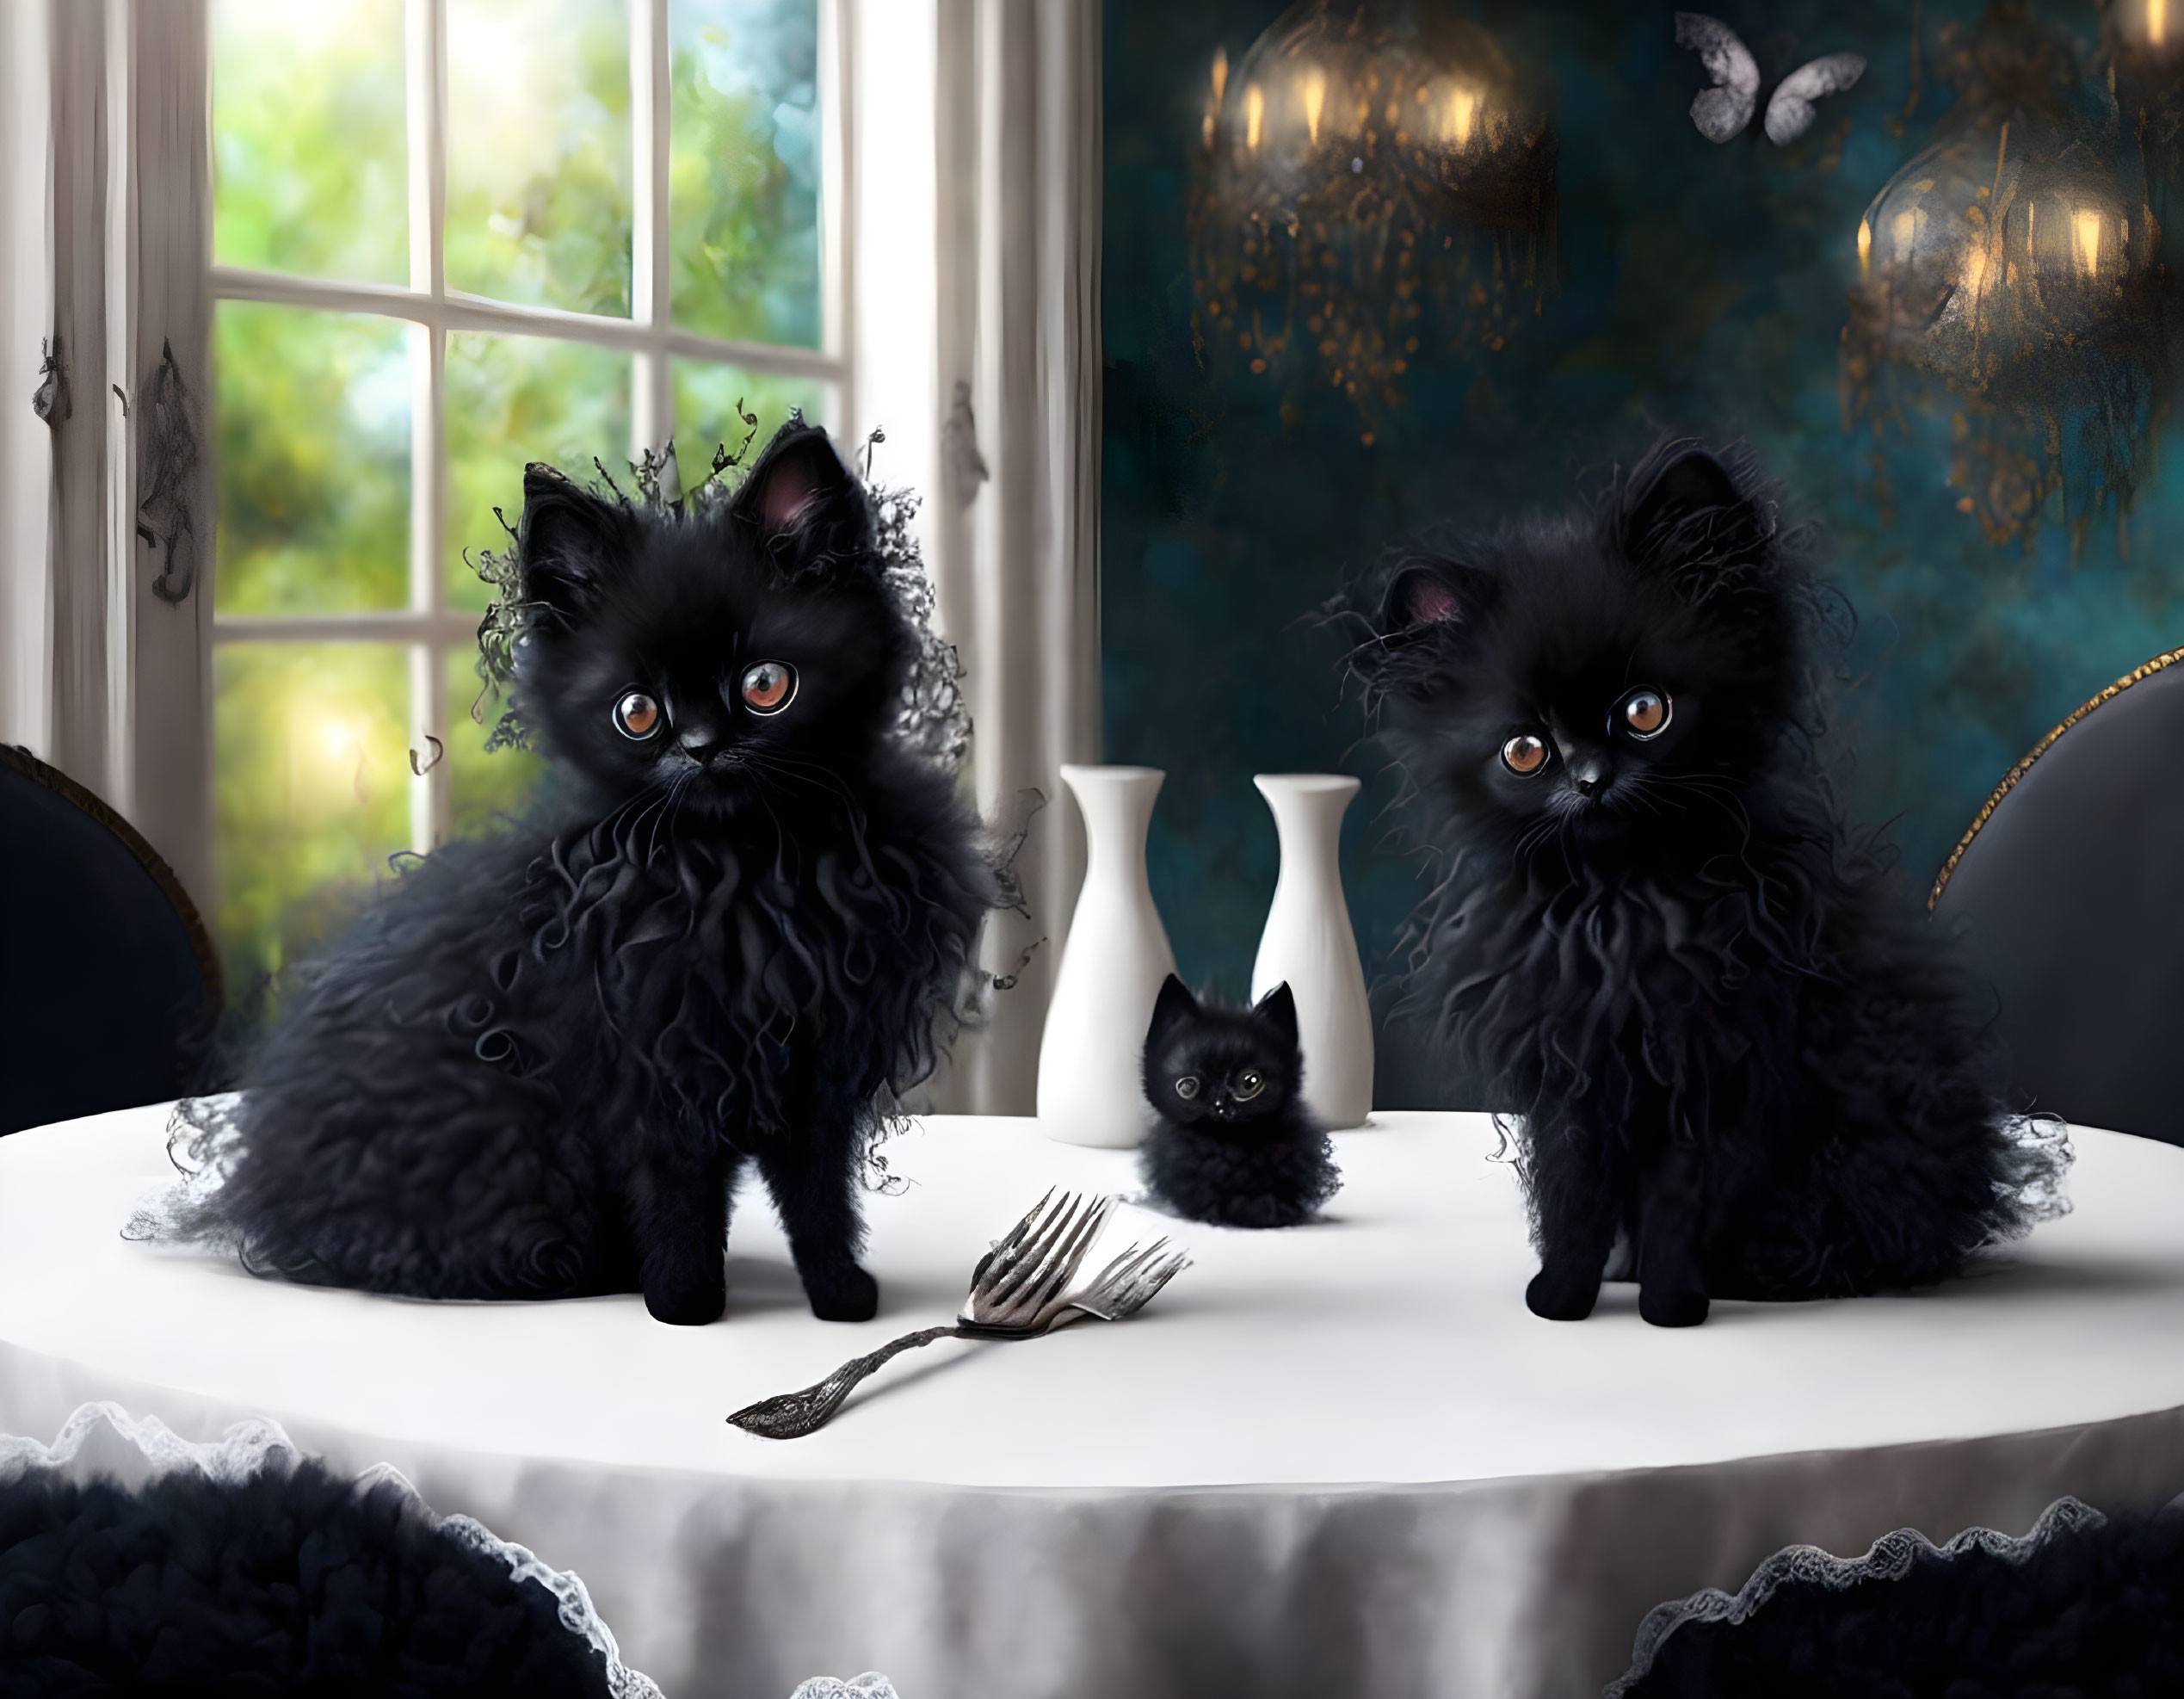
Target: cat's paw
{"points": [[843, 1294], [686, 1305], [1554, 1296], [1672, 1309]]}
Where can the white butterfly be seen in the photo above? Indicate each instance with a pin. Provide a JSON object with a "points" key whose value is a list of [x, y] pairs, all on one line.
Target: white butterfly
{"points": [[1722, 112]]}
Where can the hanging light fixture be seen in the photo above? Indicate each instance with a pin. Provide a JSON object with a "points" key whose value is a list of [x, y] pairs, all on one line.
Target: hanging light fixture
{"points": [[1374, 184], [2007, 262], [2144, 43]]}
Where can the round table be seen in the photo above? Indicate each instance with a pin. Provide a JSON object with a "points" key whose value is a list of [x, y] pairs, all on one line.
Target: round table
{"points": [[1342, 1459]]}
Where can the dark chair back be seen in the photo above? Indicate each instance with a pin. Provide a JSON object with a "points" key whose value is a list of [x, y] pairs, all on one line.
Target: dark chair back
{"points": [[109, 984], [2069, 892]]}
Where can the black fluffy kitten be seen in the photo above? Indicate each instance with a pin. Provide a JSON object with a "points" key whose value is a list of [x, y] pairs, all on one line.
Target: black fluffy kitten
{"points": [[536, 1070], [1234, 1145], [1655, 940], [284, 1583]]}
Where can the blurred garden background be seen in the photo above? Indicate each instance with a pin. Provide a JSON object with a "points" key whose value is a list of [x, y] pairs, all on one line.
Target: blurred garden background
{"points": [[318, 414]]}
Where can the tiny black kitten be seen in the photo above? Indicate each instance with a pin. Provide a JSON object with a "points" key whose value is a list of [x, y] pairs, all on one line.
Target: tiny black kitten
{"points": [[1657, 942], [1235, 1145], [538, 1068]]}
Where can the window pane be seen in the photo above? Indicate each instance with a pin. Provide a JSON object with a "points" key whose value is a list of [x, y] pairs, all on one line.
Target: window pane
{"points": [[310, 745], [744, 170], [483, 788], [710, 402], [512, 400], [307, 115], [537, 152], [313, 417]]}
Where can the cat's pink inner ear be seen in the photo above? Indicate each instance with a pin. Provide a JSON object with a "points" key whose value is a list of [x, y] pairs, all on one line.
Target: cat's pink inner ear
{"points": [[1431, 600], [790, 495]]}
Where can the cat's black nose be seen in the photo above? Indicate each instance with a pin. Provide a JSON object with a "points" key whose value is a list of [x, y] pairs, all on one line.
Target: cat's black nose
{"points": [[699, 742], [1589, 775]]}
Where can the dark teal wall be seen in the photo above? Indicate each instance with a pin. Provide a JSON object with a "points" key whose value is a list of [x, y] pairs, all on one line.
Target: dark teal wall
{"points": [[1702, 291]]}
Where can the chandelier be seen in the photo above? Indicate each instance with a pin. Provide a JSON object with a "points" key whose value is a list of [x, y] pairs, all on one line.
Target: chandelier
{"points": [[2008, 263], [1375, 185]]}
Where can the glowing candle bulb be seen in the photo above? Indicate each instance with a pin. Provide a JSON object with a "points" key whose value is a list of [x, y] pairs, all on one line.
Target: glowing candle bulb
{"points": [[2087, 225], [1221, 73], [1461, 110], [1315, 98], [1255, 112], [2157, 21]]}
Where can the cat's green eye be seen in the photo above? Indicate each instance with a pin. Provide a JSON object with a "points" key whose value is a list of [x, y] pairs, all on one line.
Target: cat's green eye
{"points": [[1646, 712], [1524, 755], [637, 716], [1248, 1084], [1187, 1087]]}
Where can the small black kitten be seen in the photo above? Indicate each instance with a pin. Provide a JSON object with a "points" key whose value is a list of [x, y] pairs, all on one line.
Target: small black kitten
{"points": [[537, 1068], [1235, 1145], [1730, 1044]]}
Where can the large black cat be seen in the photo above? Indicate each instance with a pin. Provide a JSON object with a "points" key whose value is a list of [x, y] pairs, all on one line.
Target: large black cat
{"points": [[1655, 941], [1234, 1144], [536, 1070]]}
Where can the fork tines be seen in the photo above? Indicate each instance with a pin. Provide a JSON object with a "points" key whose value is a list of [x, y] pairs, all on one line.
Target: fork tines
{"points": [[1128, 1283], [1030, 1268]]}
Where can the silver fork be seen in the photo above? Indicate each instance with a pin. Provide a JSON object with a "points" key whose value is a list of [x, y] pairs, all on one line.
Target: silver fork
{"points": [[1018, 1291]]}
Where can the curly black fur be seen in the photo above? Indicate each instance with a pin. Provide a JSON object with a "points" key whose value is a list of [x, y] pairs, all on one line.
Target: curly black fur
{"points": [[284, 1583], [2094, 1609], [1727, 1042], [1234, 1144], [536, 1070]]}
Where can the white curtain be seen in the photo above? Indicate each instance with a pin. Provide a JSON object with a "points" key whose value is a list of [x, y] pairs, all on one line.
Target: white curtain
{"points": [[105, 521], [1016, 532], [976, 177]]}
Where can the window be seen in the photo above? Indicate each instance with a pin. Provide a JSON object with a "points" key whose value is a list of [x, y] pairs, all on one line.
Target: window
{"points": [[451, 237]]}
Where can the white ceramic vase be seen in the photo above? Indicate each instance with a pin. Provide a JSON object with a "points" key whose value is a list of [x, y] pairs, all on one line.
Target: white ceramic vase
{"points": [[1091, 1088], [1308, 941]]}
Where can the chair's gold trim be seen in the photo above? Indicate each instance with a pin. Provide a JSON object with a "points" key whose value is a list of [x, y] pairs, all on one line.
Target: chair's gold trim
{"points": [[200, 940], [2039, 749]]}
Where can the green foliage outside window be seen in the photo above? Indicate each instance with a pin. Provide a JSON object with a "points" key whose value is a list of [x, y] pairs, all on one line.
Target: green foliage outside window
{"points": [[310, 143], [313, 438], [312, 411], [743, 170], [537, 152], [310, 742]]}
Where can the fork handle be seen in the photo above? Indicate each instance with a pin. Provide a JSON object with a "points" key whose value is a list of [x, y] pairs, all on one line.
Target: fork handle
{"points": [[792, 1415]]}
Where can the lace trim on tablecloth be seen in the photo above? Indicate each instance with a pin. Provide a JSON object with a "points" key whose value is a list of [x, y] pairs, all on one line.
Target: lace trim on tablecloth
{"points": [[1890, 1559], [103, 1441], [870, 1685]]}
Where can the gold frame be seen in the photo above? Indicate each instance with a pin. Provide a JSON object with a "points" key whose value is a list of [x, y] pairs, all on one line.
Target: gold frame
{"points": [[2039, 749]]}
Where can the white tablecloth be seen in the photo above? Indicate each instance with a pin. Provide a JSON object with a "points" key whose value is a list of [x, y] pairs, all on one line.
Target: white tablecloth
{"points": [[1338, 1460]]}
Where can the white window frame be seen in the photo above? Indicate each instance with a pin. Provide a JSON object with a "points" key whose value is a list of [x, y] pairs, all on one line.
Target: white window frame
{"points": [[430, 629], [974, 196]]}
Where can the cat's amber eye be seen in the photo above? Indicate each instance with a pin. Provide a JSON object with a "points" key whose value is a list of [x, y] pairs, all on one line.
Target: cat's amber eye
{"points": [[1524, 755], [1248, 1084], [1187, 1087], [1646, 713], [769, 686], [637, 716]]}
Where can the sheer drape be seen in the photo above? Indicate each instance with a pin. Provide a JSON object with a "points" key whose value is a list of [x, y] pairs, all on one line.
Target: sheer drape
{"points": [[105, 521], [1017, 496]]}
